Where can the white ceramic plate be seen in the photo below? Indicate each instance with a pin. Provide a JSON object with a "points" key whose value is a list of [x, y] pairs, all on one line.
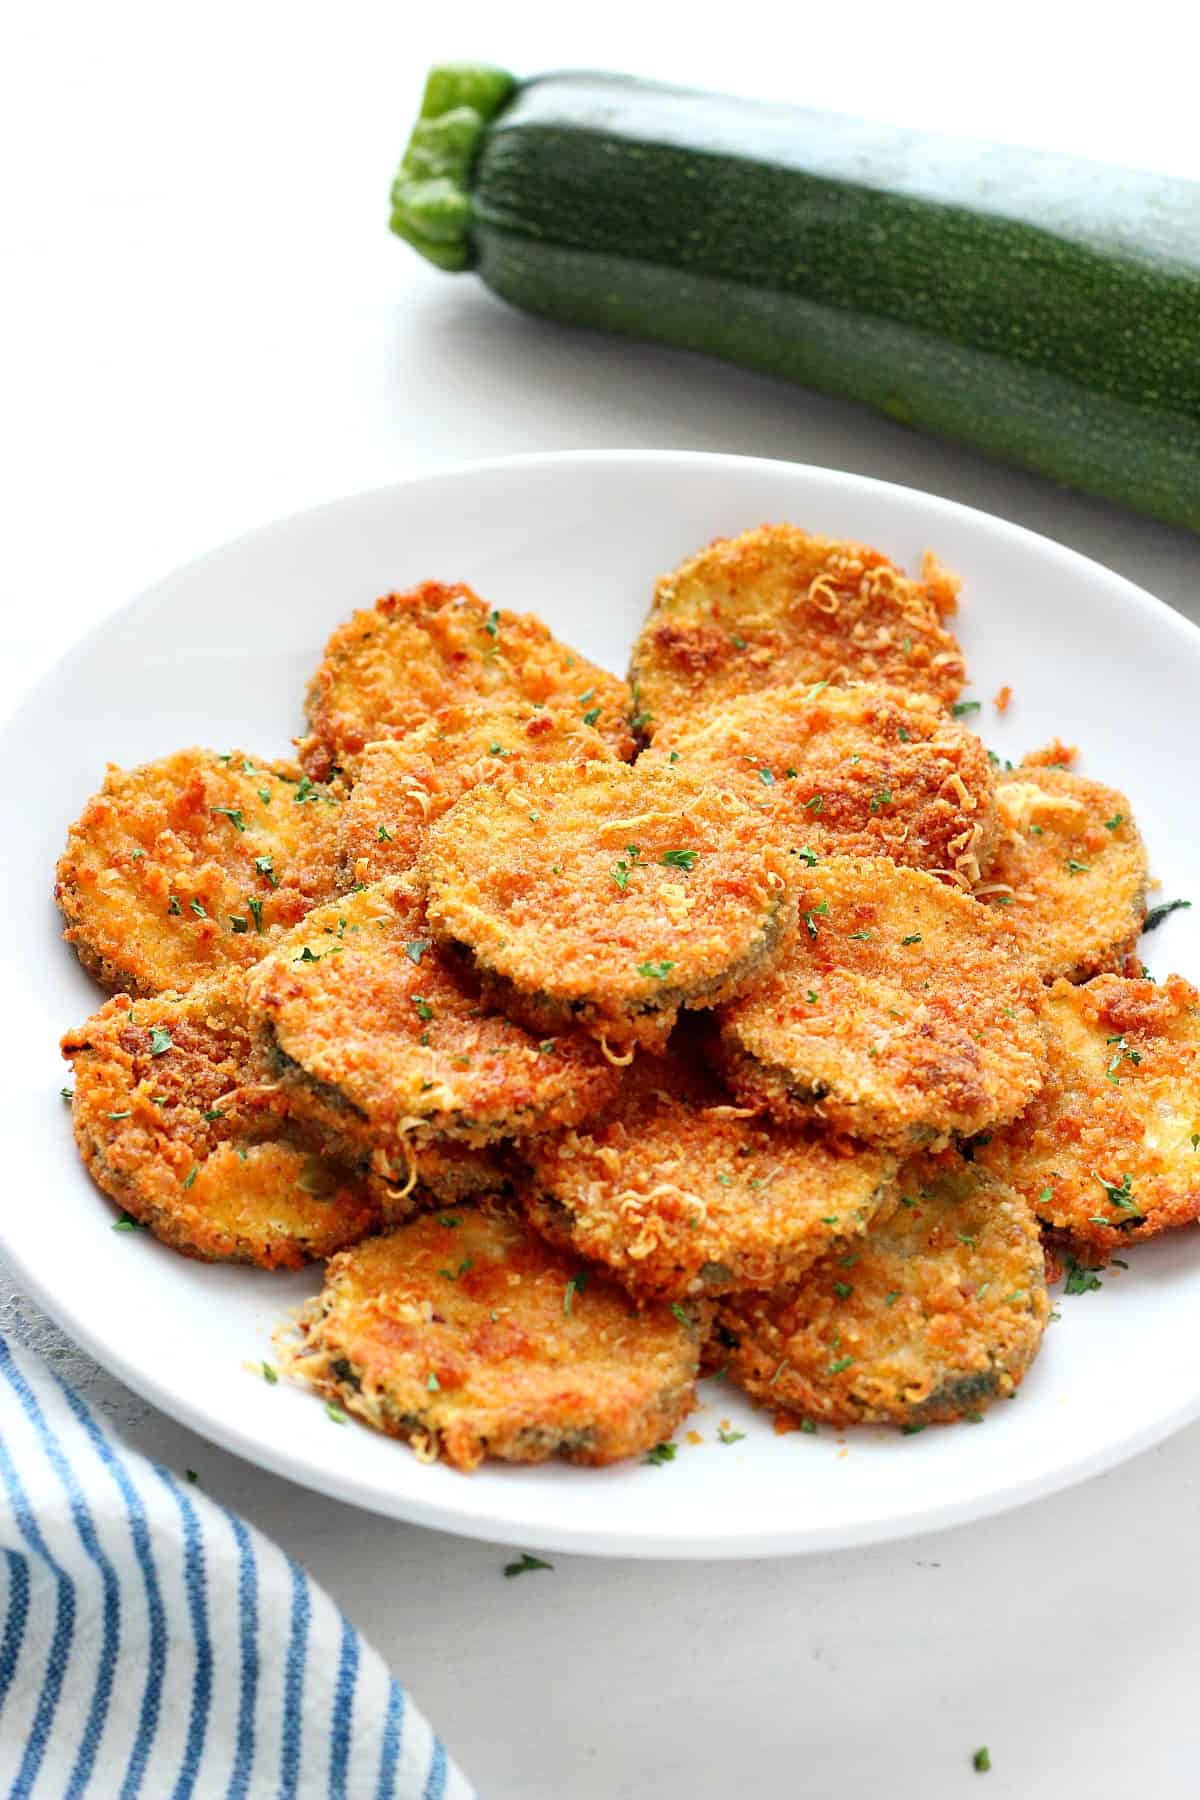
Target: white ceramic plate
{"points": [[219, 653]]}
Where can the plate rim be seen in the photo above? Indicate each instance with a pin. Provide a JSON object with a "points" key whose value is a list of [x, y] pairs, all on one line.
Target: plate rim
{"points": [[441, 1513]]}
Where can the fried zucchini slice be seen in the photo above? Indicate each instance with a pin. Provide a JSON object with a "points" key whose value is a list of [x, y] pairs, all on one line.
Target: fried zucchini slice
{"points": [[679, 1193], [388, 669], [1069, 872], [188, 866], [468, 1335], [937, 1314], [1109, 1151], [608, 896], [383, 1042], [854, 771], [405, 784], [902, 1013], [178, 1121], [776, 606]]}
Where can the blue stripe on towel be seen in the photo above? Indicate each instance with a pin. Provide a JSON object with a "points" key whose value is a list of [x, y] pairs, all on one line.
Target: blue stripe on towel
{"points": [[15, 1620], [194, 1585], [293, 1685], [85, 1526], [248, 1644], [139, 1531], [393, 1731], [343, 1711]]}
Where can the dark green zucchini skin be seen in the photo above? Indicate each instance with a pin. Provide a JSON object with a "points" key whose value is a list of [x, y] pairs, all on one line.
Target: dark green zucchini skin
{"points": [[1041, 309]]}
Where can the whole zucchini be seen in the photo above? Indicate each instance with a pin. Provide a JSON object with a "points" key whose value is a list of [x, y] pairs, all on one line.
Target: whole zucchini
{"points": [[1042, 309]]}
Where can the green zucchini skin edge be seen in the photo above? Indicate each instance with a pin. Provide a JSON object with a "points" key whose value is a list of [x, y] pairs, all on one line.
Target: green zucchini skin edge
{"points": [[1038, 308]]}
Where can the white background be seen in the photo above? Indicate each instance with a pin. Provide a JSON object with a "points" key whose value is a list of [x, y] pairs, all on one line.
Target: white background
{"points": [[204, 324]]}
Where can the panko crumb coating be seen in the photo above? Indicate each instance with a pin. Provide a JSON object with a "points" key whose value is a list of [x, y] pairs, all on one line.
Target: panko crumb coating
{"points": [[383, 1041], [938, 1313], [1069, 873], [191, 865], [902, 1013], [681, 1193], [405, 784], [179, 1122], [853, 771], [389, 668], [776, 606], [1109, 1151], [608, 896], [468, 1335]]}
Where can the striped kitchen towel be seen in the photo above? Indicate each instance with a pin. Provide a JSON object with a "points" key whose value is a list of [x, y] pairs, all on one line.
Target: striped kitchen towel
{"points": [[152, 1643]]}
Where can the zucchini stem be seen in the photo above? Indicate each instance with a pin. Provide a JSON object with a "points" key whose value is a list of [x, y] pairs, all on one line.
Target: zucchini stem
{"points": [[431, 201]]}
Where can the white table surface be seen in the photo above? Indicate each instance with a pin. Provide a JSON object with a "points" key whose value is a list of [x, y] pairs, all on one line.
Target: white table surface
{"points": [[206, 324]]}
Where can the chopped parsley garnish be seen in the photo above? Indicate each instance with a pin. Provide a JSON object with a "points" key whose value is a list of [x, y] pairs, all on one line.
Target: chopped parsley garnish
{"points": [[865, 936], [679, 859], [809, 1425], [739, 643], [432, 1384], [810, 918], [416, 948], [1157, 914], [119, 1115], [238, 923], [655, 971], [814, 691], [808, 857], [726, 1436], [914, 937], [233, 814], [1080, 1280], [69, 1094], [842, 1289], [264, 866], [891, 1299], [385, 836], [588, 694], [308, 955], [961, 708], [575, 1286], [136, 855], [766, 777], [981, 1762], [526, 1563], [190, 1177], [126, 1223], [1111, 824], [492, 625], [882, 798], [661, 1453], [173, 906], [589, 718], [843, 1362], [496, 748], [815, 804], [160, 1040], [1077, 868], [623, 869], [684, 1317], [305, 791], [256, 907], [197, 907], [965, 1238], [335, 1413], [811, 996], [903, 735], [212, 1115], [264, 795], [423, 1008], [1121, 1197], [912, 1430], [269, 1375]]}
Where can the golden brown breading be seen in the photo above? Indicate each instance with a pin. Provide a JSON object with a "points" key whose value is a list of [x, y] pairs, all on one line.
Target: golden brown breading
{"points": [[607, 895], [179, 1122], [1069, 872], [776, 606], [447, 1173], [855, 771], [405, 784], [388, 669], [188, 866], [382, 1041], [902, 1012], [938, 1313], [1110, 1149], [467, 1334], [679, 1193]]}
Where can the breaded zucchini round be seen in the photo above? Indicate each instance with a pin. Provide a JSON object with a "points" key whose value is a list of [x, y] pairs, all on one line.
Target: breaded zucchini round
{"points": [[679, 1193], [855, 771], [902, 1012], [388, 669], [467, 1334], [382, 1041], [1069, 872], [179, 1122], [938, 1313], [405, 784], [608, 896], [433, 1172], [186, 867], [1109, 1151], [776, 606]]}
